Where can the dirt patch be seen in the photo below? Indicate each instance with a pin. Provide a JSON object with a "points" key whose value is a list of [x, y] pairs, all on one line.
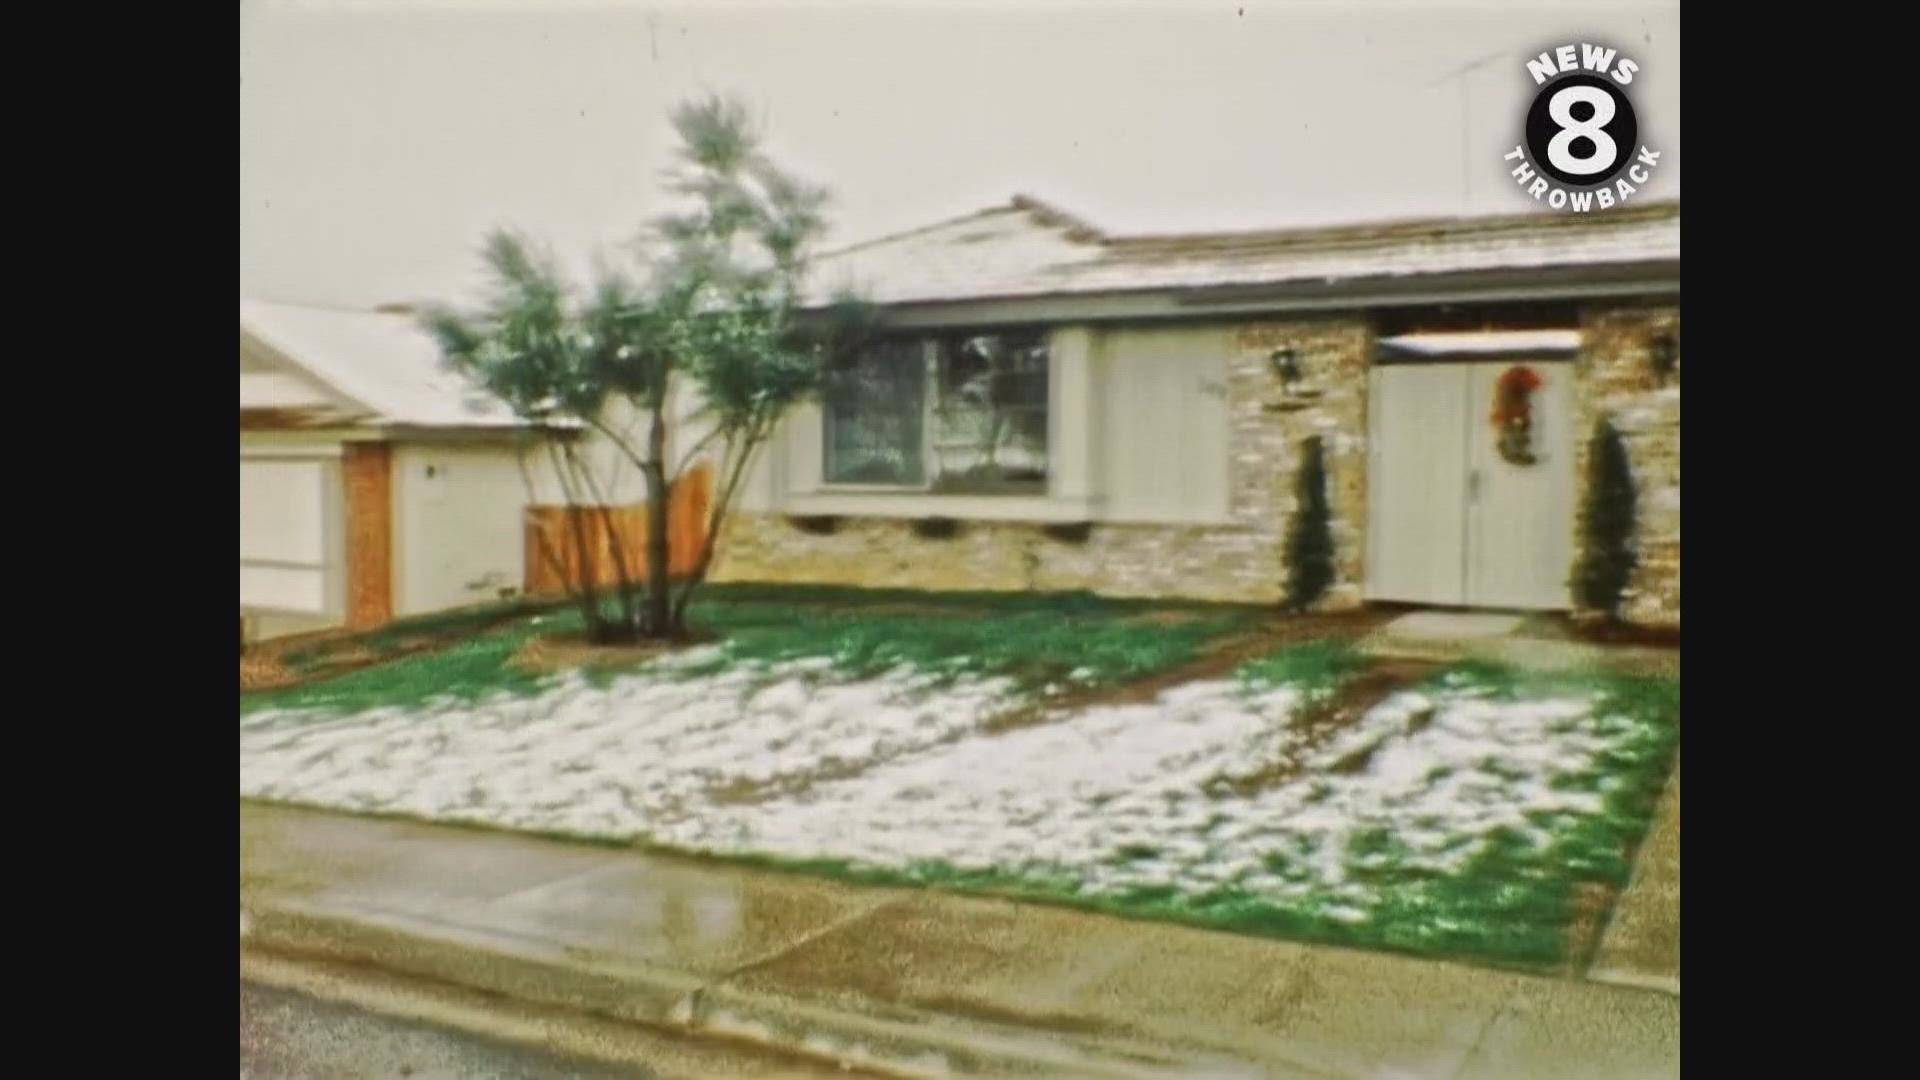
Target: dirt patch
{"points": [[308, 658], [1216, 660], [549, 653], [324, 654], [1591, 903], [262, 671], [1219, 658], [1320, 722], [1562, 627], [1164, 618]]}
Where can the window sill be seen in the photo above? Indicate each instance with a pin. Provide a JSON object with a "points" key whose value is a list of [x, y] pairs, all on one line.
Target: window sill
{"points": [[922, 504]]}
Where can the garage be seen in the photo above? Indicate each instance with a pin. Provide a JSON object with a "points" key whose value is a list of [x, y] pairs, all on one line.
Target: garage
{"points": [[292, 536], [373, 483]]}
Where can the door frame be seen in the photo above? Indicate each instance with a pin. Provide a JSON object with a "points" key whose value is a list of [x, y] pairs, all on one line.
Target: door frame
{"points": [[1461, 596]]}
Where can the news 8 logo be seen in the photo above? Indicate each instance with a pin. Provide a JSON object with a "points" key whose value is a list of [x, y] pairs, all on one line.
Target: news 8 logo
{"points": [[1581, 146]]}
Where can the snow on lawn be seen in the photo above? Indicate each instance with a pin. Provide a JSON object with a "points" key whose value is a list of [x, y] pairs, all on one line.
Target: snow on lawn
{"points": [[1130, 797], [898, 772], [613, 760]]}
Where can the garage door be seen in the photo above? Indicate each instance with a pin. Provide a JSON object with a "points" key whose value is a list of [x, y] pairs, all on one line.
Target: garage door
{"points": [[1453, 520], [290, 535]]}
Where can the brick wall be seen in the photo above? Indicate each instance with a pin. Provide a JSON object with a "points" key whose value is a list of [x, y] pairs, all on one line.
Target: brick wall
{"points": [[1241, 561], [1244, 560], [366, 470], [1617, 380]]}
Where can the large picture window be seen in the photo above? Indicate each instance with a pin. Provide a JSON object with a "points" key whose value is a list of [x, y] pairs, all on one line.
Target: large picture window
{"points": [[964, 413], [876, 417]]}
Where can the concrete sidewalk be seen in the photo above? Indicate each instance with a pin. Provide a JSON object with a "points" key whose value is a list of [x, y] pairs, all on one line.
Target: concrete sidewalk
{"points": [[1641, 946], [914, 982]]}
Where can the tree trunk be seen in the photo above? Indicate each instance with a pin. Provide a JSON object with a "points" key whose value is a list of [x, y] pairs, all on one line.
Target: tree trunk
{"points": [[659, 621], [616, 546]]}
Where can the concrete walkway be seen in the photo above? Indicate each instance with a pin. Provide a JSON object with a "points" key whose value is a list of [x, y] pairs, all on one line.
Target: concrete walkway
{"points": [[1641, 946], [913, 982], [1447, 636]]}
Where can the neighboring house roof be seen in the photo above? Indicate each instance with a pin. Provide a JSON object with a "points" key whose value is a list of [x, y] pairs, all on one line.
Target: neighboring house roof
{"points": [[380, 361], [1027, 248]]}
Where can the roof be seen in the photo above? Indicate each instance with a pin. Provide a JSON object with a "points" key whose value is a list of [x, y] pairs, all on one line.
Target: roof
{"points": [[381, 360], [1027, 248], [1483, 343]]}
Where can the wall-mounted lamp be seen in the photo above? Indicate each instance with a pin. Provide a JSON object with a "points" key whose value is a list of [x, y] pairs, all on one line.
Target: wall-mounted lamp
{"points": [[1663, 354], [1286, 364]]}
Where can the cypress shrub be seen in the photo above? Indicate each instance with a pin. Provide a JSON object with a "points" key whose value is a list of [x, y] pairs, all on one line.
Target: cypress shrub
{"points": [[1606, 525], [1309, 549]]}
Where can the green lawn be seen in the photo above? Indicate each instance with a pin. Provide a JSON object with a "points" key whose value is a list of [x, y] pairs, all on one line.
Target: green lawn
{"points": [[1514, 903], [1474, 833], [1034, 638]]}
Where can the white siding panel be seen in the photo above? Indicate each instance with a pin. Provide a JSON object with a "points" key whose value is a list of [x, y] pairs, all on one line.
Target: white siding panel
{"points": [[283, 588], [1416, 523], [1164, 428], [459, 526], [283, 510], [290, 539]]}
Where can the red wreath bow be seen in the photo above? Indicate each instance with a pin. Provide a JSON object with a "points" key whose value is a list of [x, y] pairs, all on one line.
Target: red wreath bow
{"points": [[1511, 402]]}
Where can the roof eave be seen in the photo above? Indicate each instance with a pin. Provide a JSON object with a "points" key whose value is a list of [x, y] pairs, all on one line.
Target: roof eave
{"points": [[476, 432], [1566, 281]]}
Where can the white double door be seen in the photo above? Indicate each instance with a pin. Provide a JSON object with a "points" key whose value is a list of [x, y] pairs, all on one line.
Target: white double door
{"points": [[1452, 522]]}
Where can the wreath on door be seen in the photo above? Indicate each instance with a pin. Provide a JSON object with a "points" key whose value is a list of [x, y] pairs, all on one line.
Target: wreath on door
{"points": [[1513, 415]]}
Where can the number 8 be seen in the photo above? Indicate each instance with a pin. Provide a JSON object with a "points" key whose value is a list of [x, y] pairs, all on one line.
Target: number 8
{"points": [[1559, 150]]}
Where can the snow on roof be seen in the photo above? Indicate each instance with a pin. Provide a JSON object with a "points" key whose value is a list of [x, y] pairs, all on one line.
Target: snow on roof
{"points": [[1027, 248], [1005, 250], [380, 359], [1484, 342]]}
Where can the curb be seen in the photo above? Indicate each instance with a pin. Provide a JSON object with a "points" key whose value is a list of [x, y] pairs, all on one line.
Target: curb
{"points": [[845, 1031]]}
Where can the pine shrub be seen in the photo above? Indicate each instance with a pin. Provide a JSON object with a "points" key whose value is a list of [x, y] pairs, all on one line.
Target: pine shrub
{"points": [[1309, 548], [1606, 525]]}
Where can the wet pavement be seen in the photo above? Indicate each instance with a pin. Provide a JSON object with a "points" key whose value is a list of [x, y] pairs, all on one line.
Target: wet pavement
{"points": [[287, 1035], [939, 981]]}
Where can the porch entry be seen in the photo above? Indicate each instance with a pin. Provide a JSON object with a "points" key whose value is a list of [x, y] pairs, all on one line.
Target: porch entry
{"points": [[1470, 482]]}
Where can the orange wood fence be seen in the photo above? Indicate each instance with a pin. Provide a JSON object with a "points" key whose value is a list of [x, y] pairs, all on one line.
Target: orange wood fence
{"points": [[553, 550]]}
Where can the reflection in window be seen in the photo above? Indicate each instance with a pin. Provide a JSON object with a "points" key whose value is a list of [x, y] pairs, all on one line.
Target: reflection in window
{"points": [[960, 413], [875, 417], [990, 413]]}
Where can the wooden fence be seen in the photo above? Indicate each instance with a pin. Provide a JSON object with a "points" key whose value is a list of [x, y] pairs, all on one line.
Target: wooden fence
{"points": [[553, 550]]}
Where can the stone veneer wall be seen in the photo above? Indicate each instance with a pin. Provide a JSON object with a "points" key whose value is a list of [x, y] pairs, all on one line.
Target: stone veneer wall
{"points": [[1241, 561], [1616, 379]]}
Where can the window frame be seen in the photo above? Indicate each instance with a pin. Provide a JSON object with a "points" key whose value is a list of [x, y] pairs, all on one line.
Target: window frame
{"points": [[926, 416], [930, 341]]}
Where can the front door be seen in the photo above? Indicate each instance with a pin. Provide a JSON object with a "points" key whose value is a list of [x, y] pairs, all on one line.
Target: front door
{"points": [[1454, 520]]}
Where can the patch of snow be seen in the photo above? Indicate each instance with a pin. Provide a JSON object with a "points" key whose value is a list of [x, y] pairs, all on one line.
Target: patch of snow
{"points": [[894, 770]]}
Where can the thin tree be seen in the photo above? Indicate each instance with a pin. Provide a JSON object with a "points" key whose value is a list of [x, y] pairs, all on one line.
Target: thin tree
{"points": [[720, 304]]}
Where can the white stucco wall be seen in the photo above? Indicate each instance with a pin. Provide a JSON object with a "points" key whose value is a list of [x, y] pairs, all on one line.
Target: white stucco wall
{"points": [[458, 533], [620, 482]]}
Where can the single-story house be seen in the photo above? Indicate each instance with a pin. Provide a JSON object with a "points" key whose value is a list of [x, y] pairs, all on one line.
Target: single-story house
{"points": [[373, 484], [1060, 408]]}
